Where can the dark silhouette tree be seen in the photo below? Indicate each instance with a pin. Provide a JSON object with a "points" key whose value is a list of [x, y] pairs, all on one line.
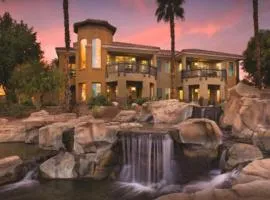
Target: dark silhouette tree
{"points": [[169, 11]]}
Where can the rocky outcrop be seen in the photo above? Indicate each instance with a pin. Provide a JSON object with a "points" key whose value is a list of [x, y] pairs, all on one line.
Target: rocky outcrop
{"points": [[204, 132], [9, 169], [248, 112], [170, 111], [252, 184], [12, 133], [61, 166], [3, 121], [125, 116], [242, 153]]}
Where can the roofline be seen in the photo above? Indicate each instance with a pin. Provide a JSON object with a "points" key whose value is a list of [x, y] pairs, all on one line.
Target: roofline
{"points": [[63, 49], [95, 22], [131, 48]]}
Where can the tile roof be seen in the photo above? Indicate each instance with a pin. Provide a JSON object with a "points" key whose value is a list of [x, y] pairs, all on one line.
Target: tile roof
{"points": [[211, 53], [124, 44], [96, 22], [164, 52]]}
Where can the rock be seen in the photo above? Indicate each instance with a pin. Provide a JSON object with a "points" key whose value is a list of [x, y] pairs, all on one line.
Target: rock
{"points": [[61, 166], [12, 133], [125, 116], [114, 103], [170, 111], [248, 112], [8, 169], [50, 136], [40, 113], [130, 125], [3, 121], [97, 165], [242, 153], [134, 105], [262, 140], [31, 137], [199, 131], [89, 134]]}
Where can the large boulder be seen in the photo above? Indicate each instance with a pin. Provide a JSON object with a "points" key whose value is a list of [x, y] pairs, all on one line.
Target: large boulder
{"points": [[12, 133], [241, 153], [125, 116], [93, 133], [98, 165], [61, 166], [247, 111], [51, 136], [170, 111], [199, 131], [9, 169]]}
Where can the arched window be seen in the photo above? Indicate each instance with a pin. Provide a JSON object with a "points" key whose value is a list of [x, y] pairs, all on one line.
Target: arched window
{"points": [[83, 44], [96, 53]]}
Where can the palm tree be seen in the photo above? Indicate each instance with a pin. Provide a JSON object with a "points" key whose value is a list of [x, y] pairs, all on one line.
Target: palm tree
{"points": [[257, 44], [168, 11], [67, 45]]}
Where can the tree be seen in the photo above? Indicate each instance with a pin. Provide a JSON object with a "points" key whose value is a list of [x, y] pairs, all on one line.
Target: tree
{"points": [[67, 44], [168, 11], [250, 57], [257, 44], [36, 79], [17, 45]]}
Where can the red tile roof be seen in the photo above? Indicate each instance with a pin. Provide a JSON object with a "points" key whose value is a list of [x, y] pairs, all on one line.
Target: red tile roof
{"points": [[211, 53], [124, 44], [96, 22]]}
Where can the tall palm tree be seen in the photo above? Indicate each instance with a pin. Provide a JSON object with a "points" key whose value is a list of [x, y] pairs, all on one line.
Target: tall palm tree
{"points": [[169, 11], [67, 45], [257, 44]]}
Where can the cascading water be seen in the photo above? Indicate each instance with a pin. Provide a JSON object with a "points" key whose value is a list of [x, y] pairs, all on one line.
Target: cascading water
{"points": [[147, 158]]}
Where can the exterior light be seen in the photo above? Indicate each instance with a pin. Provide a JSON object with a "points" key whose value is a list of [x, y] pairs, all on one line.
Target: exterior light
{"points": [[133, 88]]}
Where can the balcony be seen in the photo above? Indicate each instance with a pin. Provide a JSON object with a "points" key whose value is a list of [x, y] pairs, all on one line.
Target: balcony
{"points": [[126, 68], [207, 73]]}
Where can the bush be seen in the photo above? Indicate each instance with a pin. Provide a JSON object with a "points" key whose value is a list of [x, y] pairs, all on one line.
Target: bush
{"points": [[99, 100], [139, 101], [15, 110]]}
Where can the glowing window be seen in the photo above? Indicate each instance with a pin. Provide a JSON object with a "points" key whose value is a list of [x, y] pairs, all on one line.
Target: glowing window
{"points": [[180, 67], [167, 93], [96, 89], [219, 66], [2, 92], [181, 94], [83, 44], [96, 53], [82, 88]]}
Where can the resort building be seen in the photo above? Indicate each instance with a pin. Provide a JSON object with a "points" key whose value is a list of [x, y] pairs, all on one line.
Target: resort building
{"points": [[123, 71]]}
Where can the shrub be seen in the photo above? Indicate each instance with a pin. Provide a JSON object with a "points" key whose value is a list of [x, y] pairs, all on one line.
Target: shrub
{"points": [[99, 100], [141, 101], [15, 110]]}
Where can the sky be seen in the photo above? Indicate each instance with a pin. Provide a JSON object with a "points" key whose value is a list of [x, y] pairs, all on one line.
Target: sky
{"points": [[221, 25]]}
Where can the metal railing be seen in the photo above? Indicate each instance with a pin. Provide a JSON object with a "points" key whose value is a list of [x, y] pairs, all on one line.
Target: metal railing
{"points": [[120, 67], [204, 73]]}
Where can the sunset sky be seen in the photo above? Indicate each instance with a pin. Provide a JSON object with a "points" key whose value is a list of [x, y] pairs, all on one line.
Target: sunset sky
{"points": [[222, 25]]}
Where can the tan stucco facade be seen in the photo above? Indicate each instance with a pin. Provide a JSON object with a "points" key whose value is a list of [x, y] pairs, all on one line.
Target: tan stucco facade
{"points": [[144, 69]]}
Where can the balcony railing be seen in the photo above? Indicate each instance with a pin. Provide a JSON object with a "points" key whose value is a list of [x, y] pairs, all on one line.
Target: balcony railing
{"points": [[204, 73], [117, 68]]}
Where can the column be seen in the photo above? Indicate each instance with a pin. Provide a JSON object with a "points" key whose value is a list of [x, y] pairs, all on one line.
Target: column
{"points": [[186, 93], [121, 95], [184, 62], [204, 93], [146, 89]]}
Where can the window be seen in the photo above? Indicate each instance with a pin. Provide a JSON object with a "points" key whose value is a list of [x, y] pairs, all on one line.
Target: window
{"points": [[167, 93], [96, 89], [167, 67], [83, 44], [231, 69], [181, 94], [96, 53], [159, 65], [219, 66], [2, 92], [180, 67], [159, 93], [82, 90]]}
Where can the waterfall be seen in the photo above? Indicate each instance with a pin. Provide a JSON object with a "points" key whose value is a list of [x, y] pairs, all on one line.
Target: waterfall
{"points": [[147, 158]]}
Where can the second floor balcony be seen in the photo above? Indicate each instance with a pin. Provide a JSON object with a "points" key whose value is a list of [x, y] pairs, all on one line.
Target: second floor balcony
{"points": [[206, 73], [130, 67]]}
